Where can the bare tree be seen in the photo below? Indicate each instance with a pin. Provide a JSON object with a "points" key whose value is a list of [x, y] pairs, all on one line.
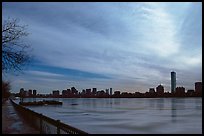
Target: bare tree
{"points": [[5, 90], [14, 50]]}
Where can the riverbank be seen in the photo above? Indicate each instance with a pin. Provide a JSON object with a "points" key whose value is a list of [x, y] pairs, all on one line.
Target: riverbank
{"points": [[12, 123]]}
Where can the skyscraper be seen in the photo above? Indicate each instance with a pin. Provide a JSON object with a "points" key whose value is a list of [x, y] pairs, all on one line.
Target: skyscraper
{"points": [[34, 92], [198, 87], [110, 91], [107, 91], [173, 82]]}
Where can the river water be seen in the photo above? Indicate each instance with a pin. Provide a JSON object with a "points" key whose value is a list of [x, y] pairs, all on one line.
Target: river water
{"points": [[127, 115]]}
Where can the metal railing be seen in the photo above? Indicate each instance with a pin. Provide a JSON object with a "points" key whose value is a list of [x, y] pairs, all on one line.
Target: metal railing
{"points": [[45, 124]]}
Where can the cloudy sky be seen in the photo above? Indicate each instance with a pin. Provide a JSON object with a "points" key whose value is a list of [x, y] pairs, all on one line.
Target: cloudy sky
{"points": [[127, 46]]}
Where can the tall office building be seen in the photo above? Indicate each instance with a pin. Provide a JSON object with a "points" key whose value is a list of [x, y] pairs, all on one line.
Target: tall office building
{"points": [[94, 90], [34, 92], [107, 91], [111, 93], [198, 87], [173, 82]]}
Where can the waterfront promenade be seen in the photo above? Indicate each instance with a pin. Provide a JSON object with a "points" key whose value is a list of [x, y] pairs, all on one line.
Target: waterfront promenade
{"points": [[12, 123]]}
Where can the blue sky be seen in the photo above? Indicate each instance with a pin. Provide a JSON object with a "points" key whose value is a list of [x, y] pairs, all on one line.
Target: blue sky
{"points": [[129, 46]]}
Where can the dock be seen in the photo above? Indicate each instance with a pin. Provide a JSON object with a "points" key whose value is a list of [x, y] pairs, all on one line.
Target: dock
{"points": [[40, 103]]}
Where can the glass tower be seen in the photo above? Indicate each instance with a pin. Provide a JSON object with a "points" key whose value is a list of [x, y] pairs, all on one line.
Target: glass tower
{"points": [[173, 82]]}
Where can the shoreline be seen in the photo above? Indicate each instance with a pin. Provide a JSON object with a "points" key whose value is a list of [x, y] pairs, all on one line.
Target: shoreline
{"points": [[12, 123]]}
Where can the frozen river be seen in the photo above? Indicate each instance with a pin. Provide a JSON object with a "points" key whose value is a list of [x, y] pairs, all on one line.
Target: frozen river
{"points": [[128, 115]]}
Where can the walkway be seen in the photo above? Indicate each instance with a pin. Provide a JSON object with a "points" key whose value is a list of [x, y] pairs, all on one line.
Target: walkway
{"points": [[12, 123]]}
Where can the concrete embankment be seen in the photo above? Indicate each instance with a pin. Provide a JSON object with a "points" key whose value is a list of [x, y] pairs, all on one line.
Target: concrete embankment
{"points": [[12, 123]]}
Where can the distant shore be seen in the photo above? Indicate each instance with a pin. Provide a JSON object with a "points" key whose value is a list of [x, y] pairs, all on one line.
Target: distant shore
{"points": [[122, 97]]}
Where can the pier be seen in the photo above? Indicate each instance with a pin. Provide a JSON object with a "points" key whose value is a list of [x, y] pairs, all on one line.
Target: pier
{"points": [[40, 103]]}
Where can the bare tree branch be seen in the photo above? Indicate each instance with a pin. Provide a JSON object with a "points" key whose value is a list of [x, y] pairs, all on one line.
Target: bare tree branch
{"points": [[14, 51]]}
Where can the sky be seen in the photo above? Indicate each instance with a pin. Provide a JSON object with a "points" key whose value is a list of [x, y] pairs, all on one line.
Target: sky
{"points": [[127, 46]]}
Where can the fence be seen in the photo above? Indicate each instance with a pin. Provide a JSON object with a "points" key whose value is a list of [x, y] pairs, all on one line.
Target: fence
{"points": [[45, 124]]}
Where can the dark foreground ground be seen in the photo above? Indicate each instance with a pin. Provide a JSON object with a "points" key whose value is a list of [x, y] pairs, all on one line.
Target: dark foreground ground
{"points": [[12, 123]]}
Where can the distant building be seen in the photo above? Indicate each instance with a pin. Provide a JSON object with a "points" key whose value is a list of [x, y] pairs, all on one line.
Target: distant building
{"points": [[74, 90], [83, 92], [25, 93], [64, 93], [111, 93], [190, 92], [173, 82], [107, 91], [55, 93], [29, 92], [198, 87], [69, 91], [34, 92], [21, 92], [88, 91], [94, 90], [151, 90], [124, 94], [100, 93], [160, 90], [138, 94], [117, 93], [180, 91]]}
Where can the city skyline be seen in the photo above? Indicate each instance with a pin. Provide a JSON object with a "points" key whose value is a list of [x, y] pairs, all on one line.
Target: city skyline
{"points": [[160, 90], [127, 46]]}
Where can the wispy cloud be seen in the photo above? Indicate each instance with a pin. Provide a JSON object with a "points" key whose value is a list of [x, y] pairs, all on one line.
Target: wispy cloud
{"points": [[40, 73]]}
